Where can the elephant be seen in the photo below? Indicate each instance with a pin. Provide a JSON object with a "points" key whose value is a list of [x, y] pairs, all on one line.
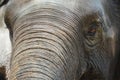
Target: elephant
{"points": [[60, 39]]}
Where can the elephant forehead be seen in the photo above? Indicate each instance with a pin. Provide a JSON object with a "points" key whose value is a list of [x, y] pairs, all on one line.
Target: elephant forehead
{"points": [[76, 6]]}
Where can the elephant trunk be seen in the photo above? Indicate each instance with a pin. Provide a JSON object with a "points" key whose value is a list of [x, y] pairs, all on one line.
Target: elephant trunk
{"points": [[45, 45]]}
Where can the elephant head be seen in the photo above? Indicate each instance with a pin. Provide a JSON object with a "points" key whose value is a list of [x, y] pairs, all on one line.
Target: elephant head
{"points": [[60, 39]]}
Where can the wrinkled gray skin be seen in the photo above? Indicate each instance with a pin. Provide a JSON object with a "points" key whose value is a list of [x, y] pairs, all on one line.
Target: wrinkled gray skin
{"points": [[53, 40]]}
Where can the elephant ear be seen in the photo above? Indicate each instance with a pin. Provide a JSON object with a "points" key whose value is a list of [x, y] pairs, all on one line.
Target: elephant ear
{"points": [[112, 9], [3, 2], [113, 12], [5, 44], [116, 13]]}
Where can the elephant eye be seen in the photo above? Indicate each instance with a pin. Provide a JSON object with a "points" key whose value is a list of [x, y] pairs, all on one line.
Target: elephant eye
{"points": [[93, 34], [93, 28]]}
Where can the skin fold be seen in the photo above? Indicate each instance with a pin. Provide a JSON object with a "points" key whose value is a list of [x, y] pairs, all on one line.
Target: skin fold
{"points": [[60, 39]]}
